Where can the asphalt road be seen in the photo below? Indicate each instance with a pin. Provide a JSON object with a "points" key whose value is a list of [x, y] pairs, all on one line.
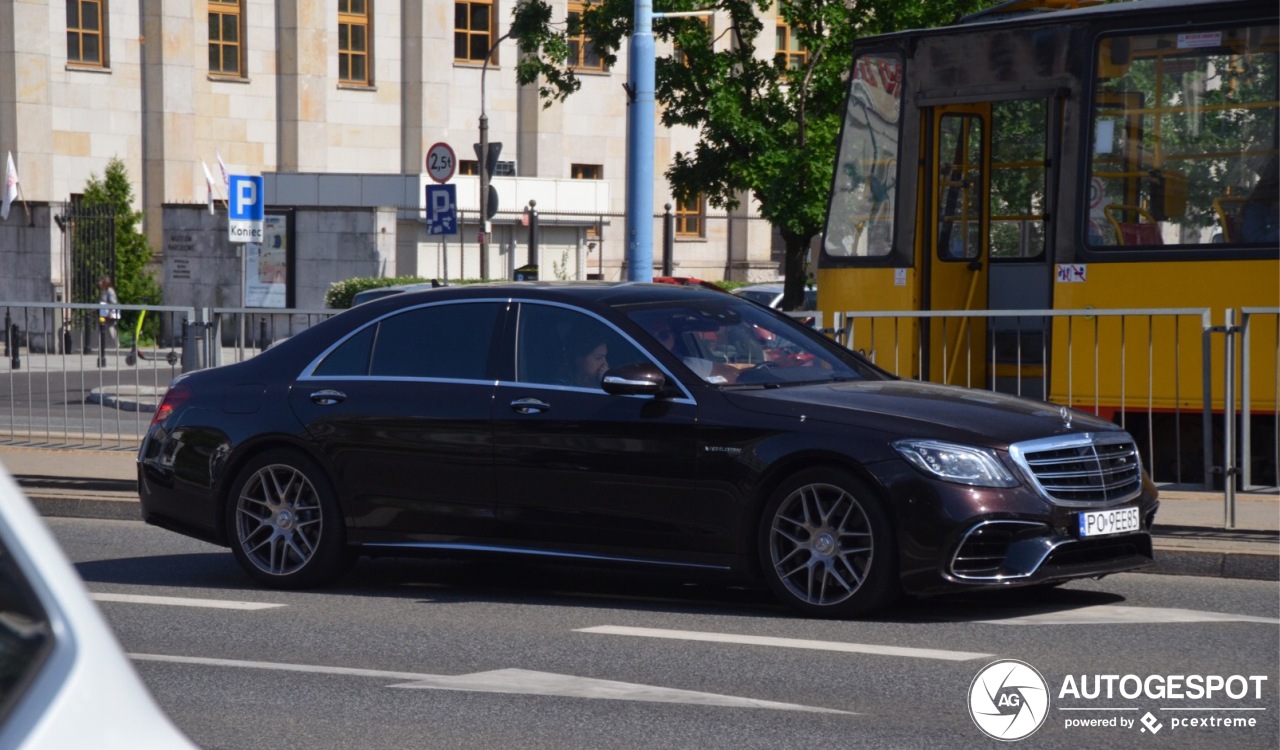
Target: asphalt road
{"points": [[455, 654]]}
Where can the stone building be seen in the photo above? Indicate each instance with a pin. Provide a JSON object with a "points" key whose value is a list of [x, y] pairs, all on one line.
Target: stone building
{"points": [[318, 97]]}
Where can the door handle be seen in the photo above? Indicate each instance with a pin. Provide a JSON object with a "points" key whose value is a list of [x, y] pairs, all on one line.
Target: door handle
{"points": [[328, 397], [529, 406]]}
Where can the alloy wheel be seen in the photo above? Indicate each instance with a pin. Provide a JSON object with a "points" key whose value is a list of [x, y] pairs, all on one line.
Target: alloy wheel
{"points": [[821, 544], [279, 520]]}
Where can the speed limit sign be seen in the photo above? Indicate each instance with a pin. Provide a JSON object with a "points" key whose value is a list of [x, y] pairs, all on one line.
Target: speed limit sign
{"points": [[440, 162]]}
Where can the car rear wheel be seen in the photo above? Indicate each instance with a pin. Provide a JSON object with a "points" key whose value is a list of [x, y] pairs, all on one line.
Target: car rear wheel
{"points": [[826, 545], [284, 525]]}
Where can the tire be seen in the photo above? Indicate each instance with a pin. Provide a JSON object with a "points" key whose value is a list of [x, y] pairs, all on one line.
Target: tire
{"points": [[284, 525], [827, 547]]}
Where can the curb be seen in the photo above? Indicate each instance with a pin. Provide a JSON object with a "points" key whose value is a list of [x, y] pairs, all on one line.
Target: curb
{"points": [[106, 396], [1172, 556]]}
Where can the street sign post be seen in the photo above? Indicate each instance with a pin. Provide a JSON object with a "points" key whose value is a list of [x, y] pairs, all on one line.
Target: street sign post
{"points": [[442, 209], [441, 162], [245, 209]]}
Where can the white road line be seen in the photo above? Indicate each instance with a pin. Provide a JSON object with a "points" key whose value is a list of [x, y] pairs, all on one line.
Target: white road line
{"points": [[510, 681], [759, 640], [1111, 614], [177, 601]]}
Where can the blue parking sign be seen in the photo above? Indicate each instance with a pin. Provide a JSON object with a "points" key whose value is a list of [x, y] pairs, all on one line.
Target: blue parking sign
{"points": [[442, 208], [245, 208]]}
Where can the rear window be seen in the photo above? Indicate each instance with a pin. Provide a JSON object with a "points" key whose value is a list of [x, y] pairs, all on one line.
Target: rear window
{"points": [[440, 341]]}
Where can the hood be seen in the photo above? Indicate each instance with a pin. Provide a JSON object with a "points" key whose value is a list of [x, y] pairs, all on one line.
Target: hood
{"points": [[910, 408]]}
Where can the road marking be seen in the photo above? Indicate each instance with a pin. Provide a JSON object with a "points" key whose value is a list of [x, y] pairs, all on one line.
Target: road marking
{"points": [[177, 601], [759, 640], [1110, 614], [512, 681]]}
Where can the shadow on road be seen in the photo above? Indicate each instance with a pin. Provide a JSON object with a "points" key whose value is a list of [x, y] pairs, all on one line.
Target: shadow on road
{"points": [[446, 581]]}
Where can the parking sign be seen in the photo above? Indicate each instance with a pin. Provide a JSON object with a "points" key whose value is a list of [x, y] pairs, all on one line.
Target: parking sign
{"points": [[245, 208], [442, 206]]}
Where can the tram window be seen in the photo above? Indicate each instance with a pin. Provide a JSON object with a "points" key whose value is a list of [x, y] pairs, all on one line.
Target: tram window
{"points": [[1018, 178], [860, 222], [960, 186], [1185, 139]]}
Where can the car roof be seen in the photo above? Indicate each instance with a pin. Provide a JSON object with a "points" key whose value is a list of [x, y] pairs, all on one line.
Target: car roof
{"points": [[603, 292]]}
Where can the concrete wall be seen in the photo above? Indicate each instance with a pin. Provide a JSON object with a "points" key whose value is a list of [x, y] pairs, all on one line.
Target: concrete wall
{"points": [[30, 255], [202, 268]]}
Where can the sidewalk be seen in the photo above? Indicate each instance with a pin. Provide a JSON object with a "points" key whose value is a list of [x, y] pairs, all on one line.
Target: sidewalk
{"points": [[1190, 534]]}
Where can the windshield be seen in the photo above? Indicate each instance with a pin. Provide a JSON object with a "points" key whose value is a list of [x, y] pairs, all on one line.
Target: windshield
{"points": [[731, 342]]}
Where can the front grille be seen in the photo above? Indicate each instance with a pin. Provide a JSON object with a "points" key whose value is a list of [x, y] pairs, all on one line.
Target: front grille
{"points": [[1083, 469]]}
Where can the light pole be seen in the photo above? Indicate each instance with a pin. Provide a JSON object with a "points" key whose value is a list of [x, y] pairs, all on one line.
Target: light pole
{"points": [[481, 159], [640, 114], [639, 222]]}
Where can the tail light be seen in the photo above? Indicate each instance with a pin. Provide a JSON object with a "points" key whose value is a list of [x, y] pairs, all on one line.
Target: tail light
{"points": [[175, 397]]}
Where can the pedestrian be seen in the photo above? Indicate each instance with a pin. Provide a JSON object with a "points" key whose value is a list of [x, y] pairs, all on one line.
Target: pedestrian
{"points": [[108, 315]]}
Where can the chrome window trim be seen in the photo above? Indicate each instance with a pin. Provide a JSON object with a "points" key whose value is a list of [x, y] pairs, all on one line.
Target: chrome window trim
{"points": [[1018, 452]]}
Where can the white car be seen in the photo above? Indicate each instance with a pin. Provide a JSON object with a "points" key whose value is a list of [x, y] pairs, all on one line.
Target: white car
{"points": [[770, 295], [64, 680]]}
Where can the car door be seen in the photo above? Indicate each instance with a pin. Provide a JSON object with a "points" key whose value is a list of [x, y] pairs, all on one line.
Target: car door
{"points": [[580, 470], [401, 410]]}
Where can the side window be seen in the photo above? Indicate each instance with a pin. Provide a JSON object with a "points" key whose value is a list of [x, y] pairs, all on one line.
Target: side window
{"points": [[351, 358], [441, 341], [1185, 146], [25, 633], [557, 346]]}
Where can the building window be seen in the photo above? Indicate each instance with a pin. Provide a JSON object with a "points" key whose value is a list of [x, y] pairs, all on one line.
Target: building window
{"points": [[791, 54], [85, 32], [691, 216], [582, 51], [468, 166], [473, 26], [679, 54], [586, 172], [225, 35], [353, 42]]}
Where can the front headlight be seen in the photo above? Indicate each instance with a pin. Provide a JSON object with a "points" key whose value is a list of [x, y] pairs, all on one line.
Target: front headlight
{"points": [[952, 462]]}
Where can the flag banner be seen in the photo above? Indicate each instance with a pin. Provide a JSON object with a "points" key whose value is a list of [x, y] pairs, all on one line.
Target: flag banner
{"points": [[10, 187], [208, 184], [226, 176]]}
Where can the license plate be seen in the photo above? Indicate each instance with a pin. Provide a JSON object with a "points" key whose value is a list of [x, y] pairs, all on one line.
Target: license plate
{"points": [[1106, 522]]}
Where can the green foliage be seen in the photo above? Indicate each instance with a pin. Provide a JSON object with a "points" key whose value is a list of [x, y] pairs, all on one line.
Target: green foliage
{"points": [[134, 283], [766, 129], [341, 293]]}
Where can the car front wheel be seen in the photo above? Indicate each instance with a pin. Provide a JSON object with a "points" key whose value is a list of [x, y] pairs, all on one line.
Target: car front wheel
{"points": [[826, 545], [284, 525]]}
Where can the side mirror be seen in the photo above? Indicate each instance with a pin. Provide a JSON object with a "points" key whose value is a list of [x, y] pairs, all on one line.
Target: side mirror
{"points": [[641, 379]]}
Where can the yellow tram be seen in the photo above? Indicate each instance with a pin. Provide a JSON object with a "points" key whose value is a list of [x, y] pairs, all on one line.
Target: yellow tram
{"points": [[1073, 158]]}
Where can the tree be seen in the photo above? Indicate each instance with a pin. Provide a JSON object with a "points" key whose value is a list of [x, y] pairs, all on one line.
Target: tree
{"points": [[133, 282], [768, 126]]}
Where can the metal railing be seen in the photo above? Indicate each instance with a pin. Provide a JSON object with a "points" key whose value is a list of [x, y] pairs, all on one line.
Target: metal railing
{"points": [[60, 386]]}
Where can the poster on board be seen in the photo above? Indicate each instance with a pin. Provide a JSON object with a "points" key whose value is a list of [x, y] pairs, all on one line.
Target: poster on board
{"points": [[267, 265]]}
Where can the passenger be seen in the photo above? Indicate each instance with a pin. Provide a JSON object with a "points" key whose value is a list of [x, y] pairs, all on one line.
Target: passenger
{"points": [[588, 361], [1260, 217]]}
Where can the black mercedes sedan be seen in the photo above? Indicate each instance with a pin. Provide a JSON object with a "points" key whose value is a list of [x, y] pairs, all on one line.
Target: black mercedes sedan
{"points": [[634, 424]]}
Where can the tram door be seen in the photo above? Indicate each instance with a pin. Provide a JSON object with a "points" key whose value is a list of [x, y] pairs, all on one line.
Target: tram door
{"points": [[956, 270], [989, 178]]}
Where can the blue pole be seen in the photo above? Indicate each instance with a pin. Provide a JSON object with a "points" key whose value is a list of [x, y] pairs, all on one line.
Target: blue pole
{"points": [[640, 113]]}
